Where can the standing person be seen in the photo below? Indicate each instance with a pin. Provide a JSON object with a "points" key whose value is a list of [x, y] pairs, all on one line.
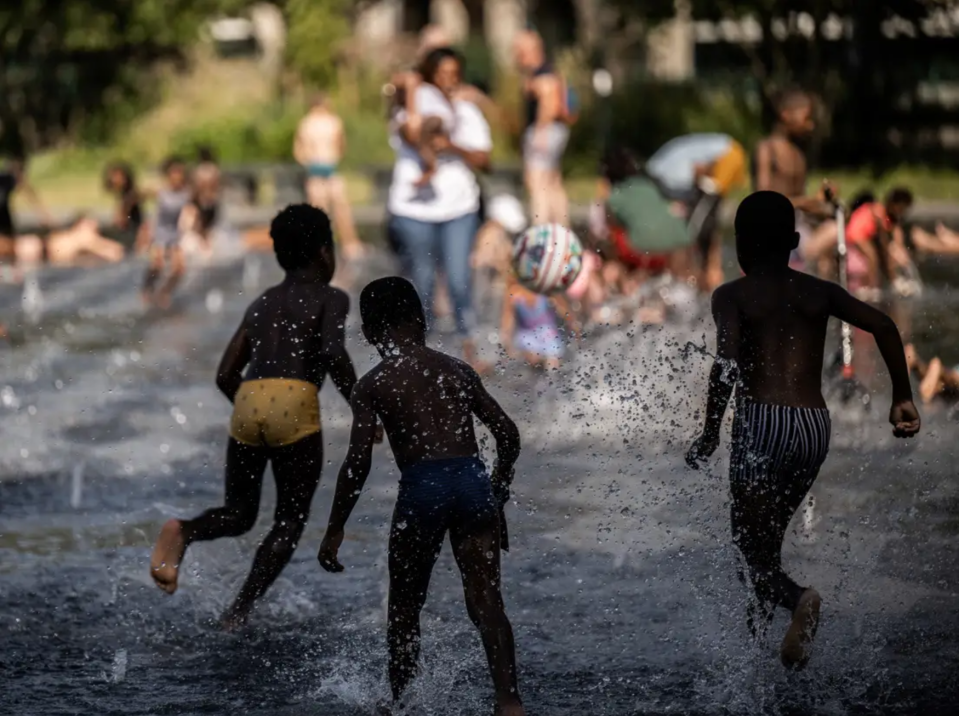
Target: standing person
{"points": [[128, 218], [771, 334], [166, 254], [701, 170], [779, 165], [547, 130], [434, 223], [427, 401], [319, 147], [13, 178], [289, 340]]}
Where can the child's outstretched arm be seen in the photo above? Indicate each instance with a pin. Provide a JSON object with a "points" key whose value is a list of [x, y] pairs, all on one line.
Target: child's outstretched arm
{"points": [[903, 414], [229, 375], [722, 377], [333, 328], [352, 477], [504, 431]]}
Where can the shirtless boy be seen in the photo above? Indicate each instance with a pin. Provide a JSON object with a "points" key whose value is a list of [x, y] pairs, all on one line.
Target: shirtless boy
{"points": [[780, 164], [427, 401], [319, 146], [770, 334], [289, 340]]}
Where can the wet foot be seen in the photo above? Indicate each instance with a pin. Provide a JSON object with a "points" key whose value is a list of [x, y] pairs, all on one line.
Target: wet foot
{"points": [[167, 555], [233, 620], [510, 710], [797, 644]]}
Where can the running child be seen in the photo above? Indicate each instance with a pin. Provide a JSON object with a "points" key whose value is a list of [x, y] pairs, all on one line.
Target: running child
{"points": [[771, 332], [166, 254], [289, 340], [427, 400]]}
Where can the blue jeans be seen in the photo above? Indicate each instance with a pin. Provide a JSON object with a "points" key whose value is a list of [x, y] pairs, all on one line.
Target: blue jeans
{"points": [[425, 246]]}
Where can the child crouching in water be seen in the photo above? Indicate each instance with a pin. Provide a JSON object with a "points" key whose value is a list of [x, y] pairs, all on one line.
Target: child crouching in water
{"points": [[529, 325]]}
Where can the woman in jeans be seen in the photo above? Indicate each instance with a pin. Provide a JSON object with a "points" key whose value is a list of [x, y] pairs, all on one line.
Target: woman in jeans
{"points": [[434, 209]]}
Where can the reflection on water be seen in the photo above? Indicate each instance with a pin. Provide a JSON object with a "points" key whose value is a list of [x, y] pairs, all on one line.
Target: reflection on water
{"points": [[621, 585]]}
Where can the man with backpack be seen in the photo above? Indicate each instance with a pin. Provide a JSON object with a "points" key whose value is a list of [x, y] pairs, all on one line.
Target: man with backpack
{"points": [[549, 115]]}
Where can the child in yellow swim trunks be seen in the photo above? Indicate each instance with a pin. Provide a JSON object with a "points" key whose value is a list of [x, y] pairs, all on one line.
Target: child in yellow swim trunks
{"points": [[289, 340]]}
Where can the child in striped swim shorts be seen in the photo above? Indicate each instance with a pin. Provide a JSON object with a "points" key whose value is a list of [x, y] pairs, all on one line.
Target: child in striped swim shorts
{"points": [[770, 335]]}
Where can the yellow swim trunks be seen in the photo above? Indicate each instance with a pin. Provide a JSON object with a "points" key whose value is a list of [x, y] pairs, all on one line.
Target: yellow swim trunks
{"points": [[274, 412]]}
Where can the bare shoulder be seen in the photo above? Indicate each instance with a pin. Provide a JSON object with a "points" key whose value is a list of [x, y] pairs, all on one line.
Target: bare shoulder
{"points": [[456, 367], [728, 293], [367, 384]]}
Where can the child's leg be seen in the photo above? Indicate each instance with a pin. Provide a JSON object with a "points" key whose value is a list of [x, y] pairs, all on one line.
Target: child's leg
{"points": [[154, 271], [296, 469], [477, 554], [931, 384], [177, 268], [414, 547], [245, 465]]}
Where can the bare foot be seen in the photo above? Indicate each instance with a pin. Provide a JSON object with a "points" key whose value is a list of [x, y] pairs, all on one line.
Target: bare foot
{"points": [[797, 644], [167, 555], [510, 710]]}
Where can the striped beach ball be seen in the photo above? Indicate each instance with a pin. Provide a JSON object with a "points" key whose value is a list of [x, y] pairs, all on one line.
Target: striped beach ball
{"points": [[547, 258]]}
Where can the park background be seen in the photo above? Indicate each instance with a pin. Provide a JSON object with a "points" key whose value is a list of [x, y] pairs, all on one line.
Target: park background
{"points": [[83, 83]]}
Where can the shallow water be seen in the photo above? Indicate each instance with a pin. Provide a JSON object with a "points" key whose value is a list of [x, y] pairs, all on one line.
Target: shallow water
{"points": [[621, 585]]}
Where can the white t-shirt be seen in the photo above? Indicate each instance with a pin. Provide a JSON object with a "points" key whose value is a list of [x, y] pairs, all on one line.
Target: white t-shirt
{"points": [[454, 190]]}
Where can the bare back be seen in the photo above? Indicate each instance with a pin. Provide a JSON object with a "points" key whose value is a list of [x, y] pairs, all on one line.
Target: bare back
{"points": [[295, 330], [319, 138], [426, 400], [780, 166], [779, 323]]}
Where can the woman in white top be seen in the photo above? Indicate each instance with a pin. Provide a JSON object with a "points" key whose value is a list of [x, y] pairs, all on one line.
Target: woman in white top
{"points": [[434, 222]]}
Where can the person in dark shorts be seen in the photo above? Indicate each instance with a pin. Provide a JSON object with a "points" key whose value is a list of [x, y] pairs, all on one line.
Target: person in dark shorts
{"points": [[770, 333], [166, 254], [119, 180], [289, 340], [427, 400]]}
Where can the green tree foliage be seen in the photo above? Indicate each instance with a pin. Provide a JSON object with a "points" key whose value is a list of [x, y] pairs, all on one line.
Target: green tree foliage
{"points": [[316, 32], [74, 65]]}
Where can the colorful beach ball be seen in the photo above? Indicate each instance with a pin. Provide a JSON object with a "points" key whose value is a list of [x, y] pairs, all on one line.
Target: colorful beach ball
{"points": [[547, 258]]}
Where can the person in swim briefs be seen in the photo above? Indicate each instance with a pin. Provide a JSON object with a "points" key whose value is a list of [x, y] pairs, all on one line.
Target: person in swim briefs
{"points": [[779, 164], [166, 254], [427, 401], [770, 333], [291, 337], [319, 146]]}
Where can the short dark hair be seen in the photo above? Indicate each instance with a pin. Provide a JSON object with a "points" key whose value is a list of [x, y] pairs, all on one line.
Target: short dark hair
{"points": [[125, 170], [619, 164], [172, 161], [790, 98], [861, 199], [899, 195], [431, 63], [765, 223], [389, 303], [205, 153], [299, 232]]}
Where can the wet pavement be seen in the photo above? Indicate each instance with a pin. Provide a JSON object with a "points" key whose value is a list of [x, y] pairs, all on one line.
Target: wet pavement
{"points": [[621, 584]]}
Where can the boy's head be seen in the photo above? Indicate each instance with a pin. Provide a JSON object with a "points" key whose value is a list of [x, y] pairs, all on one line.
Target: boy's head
{"points": [[174, 169], [205, 154], [765, 230], [303, 238], [389, 306], [794, 111], [898, 203], [619, 164]]}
